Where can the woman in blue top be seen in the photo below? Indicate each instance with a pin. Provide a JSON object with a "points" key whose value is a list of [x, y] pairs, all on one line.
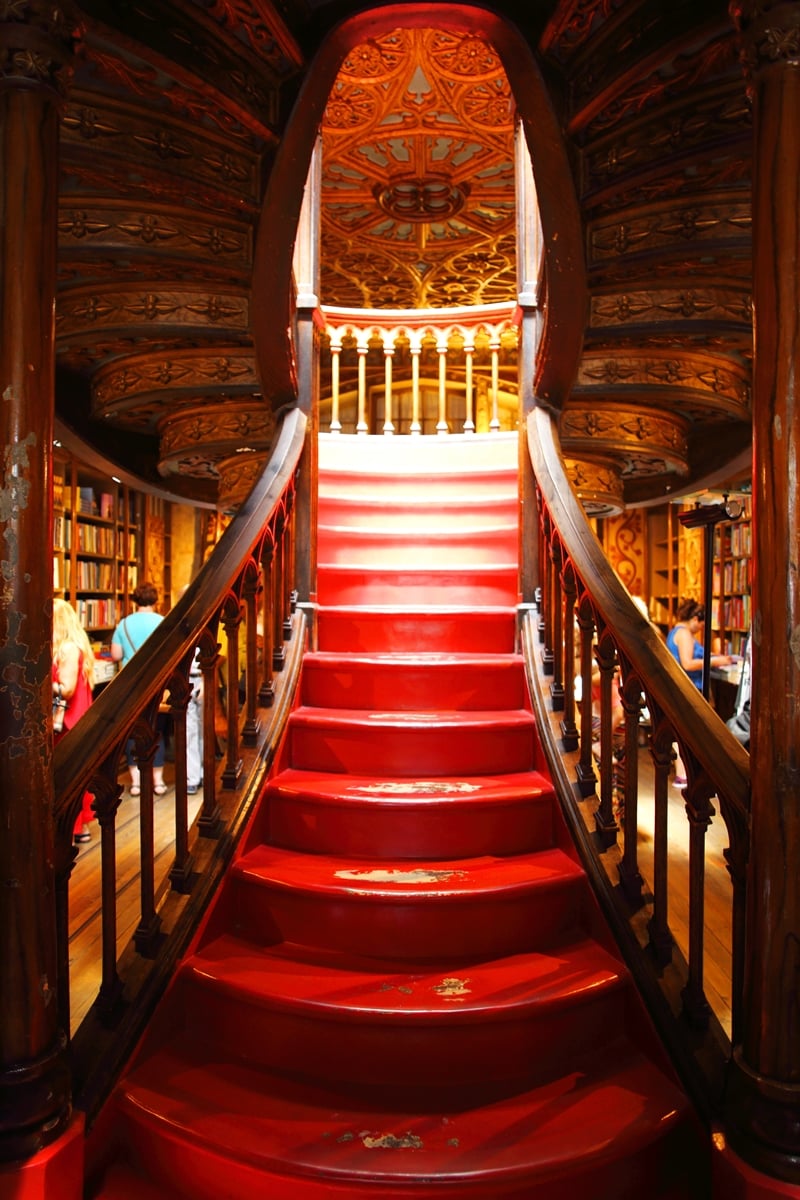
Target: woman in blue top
{"points": [[683, 645], [131, 633], [682, 642]]}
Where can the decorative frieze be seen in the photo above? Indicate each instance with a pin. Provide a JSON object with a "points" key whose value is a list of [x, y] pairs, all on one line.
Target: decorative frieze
{"points": [[119, 227], [661, 228], [718, 385], [598, 486], [158, 142], [87, 312], [167, 375], [671, 305], [641, 441], [195, 440]]}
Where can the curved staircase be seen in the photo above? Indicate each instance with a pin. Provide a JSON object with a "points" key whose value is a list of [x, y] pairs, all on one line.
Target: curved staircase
{"points": [[404, 987]]}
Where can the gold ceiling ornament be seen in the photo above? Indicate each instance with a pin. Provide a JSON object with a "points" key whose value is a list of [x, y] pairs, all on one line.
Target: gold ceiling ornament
{"points": [[639, 440], [418, 175], [598, 486], [195, 440]]}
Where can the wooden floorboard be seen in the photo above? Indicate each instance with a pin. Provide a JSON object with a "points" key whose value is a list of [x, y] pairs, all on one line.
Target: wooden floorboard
{"points": [[84, 898]]}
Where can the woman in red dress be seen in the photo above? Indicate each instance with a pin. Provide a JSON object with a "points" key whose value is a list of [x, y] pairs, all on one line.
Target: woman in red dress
{"points": [[73, 680]]}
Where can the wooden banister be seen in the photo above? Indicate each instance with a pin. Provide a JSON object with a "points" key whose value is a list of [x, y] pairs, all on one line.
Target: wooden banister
{"points": [[582, 598]]}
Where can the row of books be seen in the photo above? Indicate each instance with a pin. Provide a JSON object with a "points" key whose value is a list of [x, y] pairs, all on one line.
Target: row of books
{"points": [[731, 613], [735, 575], [94, 539], [97, 614], [93, 576]]}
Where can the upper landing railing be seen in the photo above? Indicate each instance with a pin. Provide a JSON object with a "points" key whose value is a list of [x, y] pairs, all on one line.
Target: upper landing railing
{"points": [[444, 371]]}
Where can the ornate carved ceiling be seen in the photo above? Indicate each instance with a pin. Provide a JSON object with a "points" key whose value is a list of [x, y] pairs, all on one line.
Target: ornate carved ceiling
{"points": [[418, 204], [170, 130]]}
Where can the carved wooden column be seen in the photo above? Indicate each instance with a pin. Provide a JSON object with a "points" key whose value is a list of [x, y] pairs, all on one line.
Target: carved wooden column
{"points": [[764, 1093], [34, 1078]]}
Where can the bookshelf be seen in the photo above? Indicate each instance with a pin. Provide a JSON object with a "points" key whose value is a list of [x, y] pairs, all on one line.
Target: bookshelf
{"points": [[97, 524], [732, 580]]}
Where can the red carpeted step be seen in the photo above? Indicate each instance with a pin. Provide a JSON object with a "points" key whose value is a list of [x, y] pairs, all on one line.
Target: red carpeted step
{"points": [[471, 584], [406, 910], [411, 743], [343, 545], [425, 682], [609, 1127], [457, 817], [398, 628], [409, 509], [360, 1020], [123, 1182]]}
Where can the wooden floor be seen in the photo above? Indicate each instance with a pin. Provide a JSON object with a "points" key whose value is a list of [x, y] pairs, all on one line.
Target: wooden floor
{"points": [[84, 898], [85, 889]]}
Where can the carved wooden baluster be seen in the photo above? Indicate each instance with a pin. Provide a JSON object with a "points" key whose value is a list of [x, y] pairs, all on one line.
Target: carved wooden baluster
{"points": [[547, 596], [210, 822], [699, 811], [661, 940], [278, 652], [587, 780], [266, 691], [145, 736], [287, 555], [252, 724], [180, 692], [605, 823], [736, 856], [231, 620], [628, 869], [557, 627], [569, 730]]}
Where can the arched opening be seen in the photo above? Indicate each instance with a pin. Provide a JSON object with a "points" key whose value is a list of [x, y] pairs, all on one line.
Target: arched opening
{"points": [[460, 29]]}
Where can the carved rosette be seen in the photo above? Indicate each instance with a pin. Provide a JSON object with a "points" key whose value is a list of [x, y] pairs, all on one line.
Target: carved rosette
{"points": [[597, 485], [641, 441], [770, 33], [198, 439], [37, 39]]}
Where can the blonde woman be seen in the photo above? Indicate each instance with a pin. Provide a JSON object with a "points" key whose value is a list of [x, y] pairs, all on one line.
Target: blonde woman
{"points": [[73, 681]]}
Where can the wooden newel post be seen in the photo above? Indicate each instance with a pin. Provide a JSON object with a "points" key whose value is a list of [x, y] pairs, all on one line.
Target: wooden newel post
{"points": [[35, 49], [764, 1086]]}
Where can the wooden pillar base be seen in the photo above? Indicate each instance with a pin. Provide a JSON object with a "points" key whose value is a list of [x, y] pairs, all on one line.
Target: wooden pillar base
{"points": [[763, 1122], [734, 1179], [55, 1171], [34, 1104]]}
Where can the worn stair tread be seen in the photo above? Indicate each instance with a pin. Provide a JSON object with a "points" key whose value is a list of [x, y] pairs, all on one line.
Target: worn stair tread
{"points": [[441, 880], [601, 1110], [466, 790], [443, 719], [413, 681], [347, 987]]}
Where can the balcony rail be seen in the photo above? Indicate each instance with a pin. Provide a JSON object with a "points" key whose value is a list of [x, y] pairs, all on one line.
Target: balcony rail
{"points": [[244, 592], [585, 617]]}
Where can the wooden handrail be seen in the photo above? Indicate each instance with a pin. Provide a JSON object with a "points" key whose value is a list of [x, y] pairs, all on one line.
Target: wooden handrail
{"points": [[245, 579], [583, 599], [698, 726], [81, 753]]}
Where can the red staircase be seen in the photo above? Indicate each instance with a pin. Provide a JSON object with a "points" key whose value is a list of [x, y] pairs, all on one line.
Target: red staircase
{"points": [[404, 987]]}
